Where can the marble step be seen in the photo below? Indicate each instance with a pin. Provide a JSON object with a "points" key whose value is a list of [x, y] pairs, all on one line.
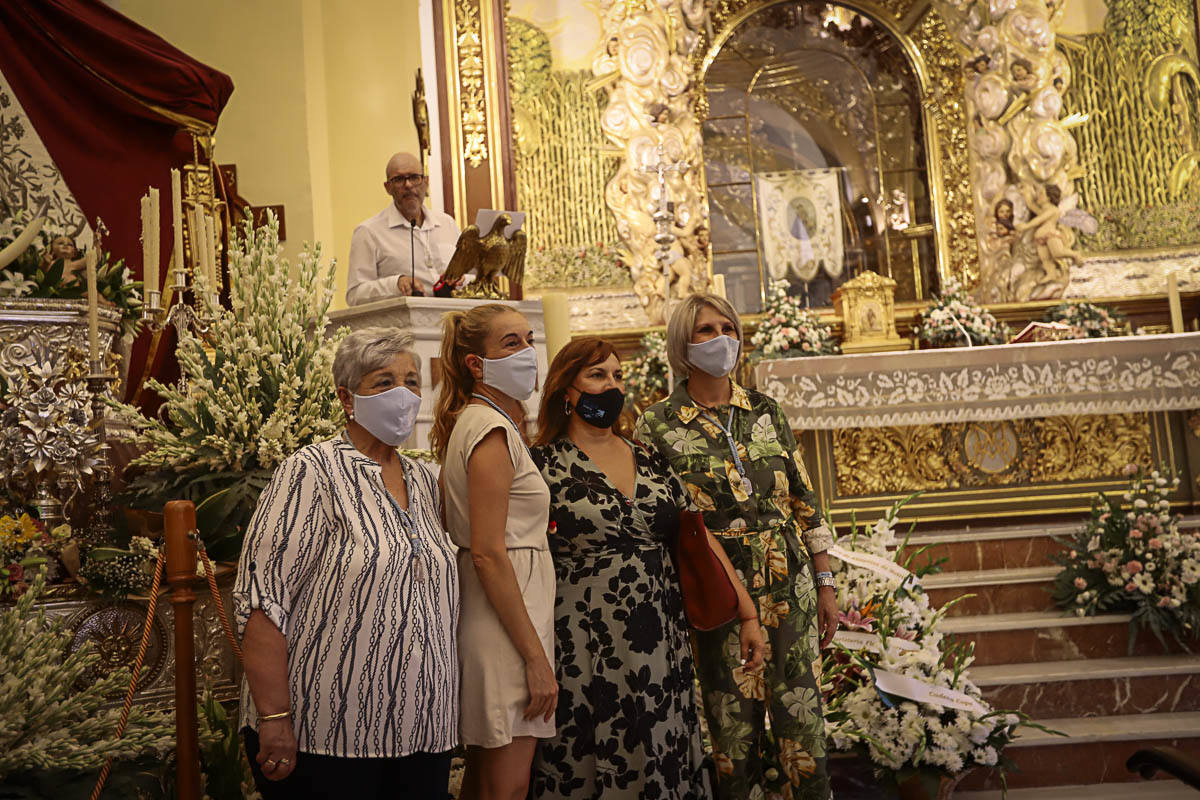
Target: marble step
{"points": [[1028, 544], [1148, 790], [1094, 750], [1022, 637], [992, 591], [1094, 687]]}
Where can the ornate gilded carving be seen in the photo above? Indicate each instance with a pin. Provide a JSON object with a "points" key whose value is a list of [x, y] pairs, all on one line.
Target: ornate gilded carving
{"points": [[646, 57], [468, 42], [938, 67], [869, 461], [1083, 447], [1025, 158], [558, 145]]}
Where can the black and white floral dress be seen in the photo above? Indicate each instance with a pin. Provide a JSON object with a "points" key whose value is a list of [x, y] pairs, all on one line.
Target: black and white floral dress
{"points": [[627, 717]]}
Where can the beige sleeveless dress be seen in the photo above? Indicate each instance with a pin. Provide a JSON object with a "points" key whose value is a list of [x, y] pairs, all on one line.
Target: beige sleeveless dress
{"points": [[494, 694]]}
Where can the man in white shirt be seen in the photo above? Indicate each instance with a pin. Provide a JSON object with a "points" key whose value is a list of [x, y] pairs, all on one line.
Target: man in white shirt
{"points": [[404, 248]]}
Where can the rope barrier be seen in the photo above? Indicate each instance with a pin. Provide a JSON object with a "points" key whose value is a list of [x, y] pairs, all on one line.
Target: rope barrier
{"points": [[127, 707], [211, 575]]}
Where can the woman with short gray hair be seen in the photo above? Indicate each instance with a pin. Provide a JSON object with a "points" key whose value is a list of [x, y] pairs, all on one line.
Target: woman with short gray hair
{"points": [[347, 601]]}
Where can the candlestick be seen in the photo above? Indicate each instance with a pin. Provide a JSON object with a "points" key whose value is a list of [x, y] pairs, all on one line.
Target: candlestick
{"points": [[196, 220], [1173, 302], [93, 301], [149, 265], [177, 219]]}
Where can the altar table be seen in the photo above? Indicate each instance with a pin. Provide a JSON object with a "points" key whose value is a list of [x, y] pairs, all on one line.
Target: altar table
{"points": [[1019, 429]]}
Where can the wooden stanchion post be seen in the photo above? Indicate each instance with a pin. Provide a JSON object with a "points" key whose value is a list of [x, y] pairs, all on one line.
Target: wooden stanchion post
{"points": [[180, 519]]}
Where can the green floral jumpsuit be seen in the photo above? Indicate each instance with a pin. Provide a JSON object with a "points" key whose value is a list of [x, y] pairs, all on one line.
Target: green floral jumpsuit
{"points": [[760, 529]]}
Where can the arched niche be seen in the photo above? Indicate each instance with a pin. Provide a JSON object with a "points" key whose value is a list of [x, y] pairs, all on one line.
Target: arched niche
{"points": [[823, 89]]}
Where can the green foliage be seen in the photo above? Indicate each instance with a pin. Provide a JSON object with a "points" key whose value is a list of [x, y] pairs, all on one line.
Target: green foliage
{"points": [[257, 386], [575, 267], [51, 718], [1144, 227], [227, 774]]}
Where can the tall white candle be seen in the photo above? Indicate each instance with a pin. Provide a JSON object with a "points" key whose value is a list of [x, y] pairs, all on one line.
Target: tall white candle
{"points": [[149, 263], [155, 230], [1174, 303], [214, 276], [177, 218], [196, 236], [718, 285], [93, 305], [556, 318]]}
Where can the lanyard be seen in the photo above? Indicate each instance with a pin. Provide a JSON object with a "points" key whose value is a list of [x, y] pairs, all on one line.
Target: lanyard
{"points": [[727, 429], [507, 417]]}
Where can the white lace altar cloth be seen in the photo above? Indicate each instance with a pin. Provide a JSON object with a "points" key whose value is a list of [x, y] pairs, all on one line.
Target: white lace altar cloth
{"points": [[979, 384]]}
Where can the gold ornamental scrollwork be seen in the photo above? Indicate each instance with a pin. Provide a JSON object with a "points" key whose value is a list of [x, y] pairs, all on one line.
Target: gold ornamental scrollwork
{"points": [[468, 41], [930, 47], [872, 461]]}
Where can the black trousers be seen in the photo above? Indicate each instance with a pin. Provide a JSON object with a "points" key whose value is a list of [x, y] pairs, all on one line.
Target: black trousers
{"points": [[420, 776]]}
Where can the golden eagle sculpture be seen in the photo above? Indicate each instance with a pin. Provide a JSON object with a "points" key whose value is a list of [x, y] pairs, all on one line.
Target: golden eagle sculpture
{"points": [[488, 256]]}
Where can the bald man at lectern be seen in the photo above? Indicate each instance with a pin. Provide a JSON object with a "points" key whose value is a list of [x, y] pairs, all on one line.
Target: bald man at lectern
{"points": [[404, 248]]}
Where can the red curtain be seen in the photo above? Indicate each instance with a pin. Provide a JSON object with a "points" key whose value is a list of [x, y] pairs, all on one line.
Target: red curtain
{"points": [[102, 92]]}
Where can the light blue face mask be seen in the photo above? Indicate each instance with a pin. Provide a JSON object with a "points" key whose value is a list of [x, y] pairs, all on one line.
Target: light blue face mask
{"points": [[388, 416], [515, 375], [717, 356]]}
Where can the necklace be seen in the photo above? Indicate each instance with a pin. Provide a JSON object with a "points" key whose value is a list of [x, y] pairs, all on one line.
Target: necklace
{"points": [[505, 414]]}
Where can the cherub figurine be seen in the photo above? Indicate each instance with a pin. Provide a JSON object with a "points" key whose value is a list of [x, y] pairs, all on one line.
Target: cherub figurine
{"points": [[1022, 74], [62, 248], [659, 114], [1050, 225]]}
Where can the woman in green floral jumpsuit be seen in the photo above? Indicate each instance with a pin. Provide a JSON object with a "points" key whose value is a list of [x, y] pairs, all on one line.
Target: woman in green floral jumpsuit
{"points": [[737, 456]]}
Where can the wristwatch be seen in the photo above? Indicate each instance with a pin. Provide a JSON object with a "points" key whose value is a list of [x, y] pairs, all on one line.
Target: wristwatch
{"points": [[825, 579]]}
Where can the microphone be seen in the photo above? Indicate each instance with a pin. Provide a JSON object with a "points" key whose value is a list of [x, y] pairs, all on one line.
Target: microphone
{"points": [[412, 259]]}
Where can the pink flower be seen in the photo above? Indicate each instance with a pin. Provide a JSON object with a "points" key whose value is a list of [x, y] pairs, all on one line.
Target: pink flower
{"points": [[1134, 567], [1129, 587], [1129, 469], [1104, 517], [1156, 543], [1135, 534], [1163, 602], [1080, 583]]}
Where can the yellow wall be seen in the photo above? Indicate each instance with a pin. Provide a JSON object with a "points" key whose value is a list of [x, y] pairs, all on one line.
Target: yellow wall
{"points": [[321, 101]]}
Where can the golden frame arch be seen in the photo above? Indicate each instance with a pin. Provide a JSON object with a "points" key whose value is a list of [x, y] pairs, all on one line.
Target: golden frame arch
{"points": [[937, 65]]}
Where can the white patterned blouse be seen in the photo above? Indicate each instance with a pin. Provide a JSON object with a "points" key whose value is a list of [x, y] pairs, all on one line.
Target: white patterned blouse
{"points": [[366, 596]]}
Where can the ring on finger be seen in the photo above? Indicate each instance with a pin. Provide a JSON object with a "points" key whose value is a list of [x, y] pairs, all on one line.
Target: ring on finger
{"points": [[270, 763], [283, 762]]}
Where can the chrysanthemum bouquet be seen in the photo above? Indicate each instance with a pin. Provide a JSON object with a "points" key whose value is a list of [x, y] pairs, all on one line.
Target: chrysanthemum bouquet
{"points": [[1088, 320], [1132, 556], [954, 320], [646, 373], [893, 690], [789, 330], [25, 547]]}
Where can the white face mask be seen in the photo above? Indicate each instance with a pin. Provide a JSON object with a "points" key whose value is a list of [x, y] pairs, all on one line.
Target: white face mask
{"points": [[388, 416], [717, 356], [515, 375]]}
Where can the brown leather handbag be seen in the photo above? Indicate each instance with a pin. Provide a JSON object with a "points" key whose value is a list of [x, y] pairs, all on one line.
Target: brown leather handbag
{"points": [[709, 597]]}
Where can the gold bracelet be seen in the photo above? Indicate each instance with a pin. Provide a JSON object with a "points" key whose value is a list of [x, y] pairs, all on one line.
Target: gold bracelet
{"points": [[280, 715]]}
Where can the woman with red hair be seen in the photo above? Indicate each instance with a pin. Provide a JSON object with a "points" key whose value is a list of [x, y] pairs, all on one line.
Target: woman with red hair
{"points": [[627, 719]]}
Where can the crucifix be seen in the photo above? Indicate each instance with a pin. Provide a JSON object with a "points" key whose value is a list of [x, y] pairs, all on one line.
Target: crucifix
{"points": [[664, 219]]}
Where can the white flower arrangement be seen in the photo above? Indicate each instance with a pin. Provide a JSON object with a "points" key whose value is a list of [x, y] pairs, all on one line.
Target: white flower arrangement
{"points": [[1088, 320], [901, 736], [646, 373], [1132, 556], [256, 387], [954, 318], [788, 329]]}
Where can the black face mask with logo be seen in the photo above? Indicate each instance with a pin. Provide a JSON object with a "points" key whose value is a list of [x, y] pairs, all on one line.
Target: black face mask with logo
{"points": [[602, 409]]}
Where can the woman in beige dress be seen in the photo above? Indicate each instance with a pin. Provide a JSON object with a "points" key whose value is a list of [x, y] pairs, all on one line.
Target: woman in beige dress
{"points": [[497, 510]]}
